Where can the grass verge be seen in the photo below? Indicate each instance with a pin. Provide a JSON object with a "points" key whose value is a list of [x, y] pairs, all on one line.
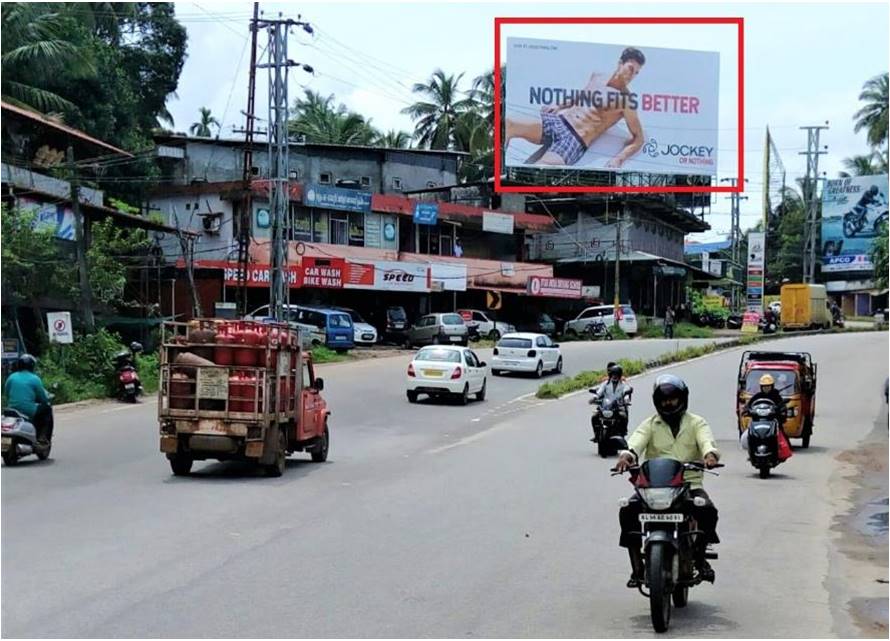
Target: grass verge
{"points": [[322, 354], [681, 330]]}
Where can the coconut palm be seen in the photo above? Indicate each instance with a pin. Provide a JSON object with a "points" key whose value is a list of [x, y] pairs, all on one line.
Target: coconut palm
{"points": [[314, 118], [394, 139], [873, 115], [41, 41], [201, 128], [864, 165], [436, 115]]}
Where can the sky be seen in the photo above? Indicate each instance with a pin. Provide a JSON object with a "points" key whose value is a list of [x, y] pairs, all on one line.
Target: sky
{"points": [[805, 64]]}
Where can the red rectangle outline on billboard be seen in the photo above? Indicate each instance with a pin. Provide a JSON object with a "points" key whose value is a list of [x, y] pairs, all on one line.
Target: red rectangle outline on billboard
{"points": [[500, 188]]}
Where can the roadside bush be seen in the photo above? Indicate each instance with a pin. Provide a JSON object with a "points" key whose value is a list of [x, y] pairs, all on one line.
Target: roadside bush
{"points": [[321, 354], [681, 330], [84, 369]]}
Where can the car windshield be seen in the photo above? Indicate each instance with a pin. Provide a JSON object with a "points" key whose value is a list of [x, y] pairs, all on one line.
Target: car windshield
{"points": [[452, 319], [626, 310], [396, 313], [356, 317], [544, 318], [786, 381], [438, 354], [520, 343], [340, 320]]}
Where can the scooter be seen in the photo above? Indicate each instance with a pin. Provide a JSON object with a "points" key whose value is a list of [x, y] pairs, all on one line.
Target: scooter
{"points": [[767, 323], [669, 534], [129, 385], [761, 439], [19, 438], [609, 419]]}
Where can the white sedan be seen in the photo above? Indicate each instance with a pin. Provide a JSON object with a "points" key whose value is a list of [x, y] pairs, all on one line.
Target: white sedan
{"points": [[525, 352], [446, 370]]}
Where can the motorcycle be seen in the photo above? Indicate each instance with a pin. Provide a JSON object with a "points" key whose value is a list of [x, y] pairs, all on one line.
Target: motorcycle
{"points": [[129, 384], [768, 323], [596, 330], [669, 534], [734, 321], [856, 219], [761, 439], [19, 438], [608, 420]]}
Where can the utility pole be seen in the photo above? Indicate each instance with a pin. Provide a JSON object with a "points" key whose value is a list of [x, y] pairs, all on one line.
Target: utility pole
{"points": [[811, 231], [616, 302], [188, 255], [82, 242], [735, 232], [246, 213], [279, 196]]}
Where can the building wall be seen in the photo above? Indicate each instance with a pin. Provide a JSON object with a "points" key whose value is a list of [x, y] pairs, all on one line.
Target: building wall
{"points": [[186, 208]]}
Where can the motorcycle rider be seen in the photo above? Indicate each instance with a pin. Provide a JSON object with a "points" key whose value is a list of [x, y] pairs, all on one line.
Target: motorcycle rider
{"points": [[24, 391], [768, 391], [675, 433], [614, 388]]}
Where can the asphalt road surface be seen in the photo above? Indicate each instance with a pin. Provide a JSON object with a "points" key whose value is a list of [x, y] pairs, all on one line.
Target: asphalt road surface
{"points": [[430, 520]]}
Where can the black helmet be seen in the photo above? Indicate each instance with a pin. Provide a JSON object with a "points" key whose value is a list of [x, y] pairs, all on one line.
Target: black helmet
{"points": [[135, 347], [873, 190], [670, 396], [26, 362], [615, 370]]}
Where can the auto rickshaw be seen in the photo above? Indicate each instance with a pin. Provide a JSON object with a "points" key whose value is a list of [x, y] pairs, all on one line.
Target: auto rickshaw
{"points": [[795, 376]]}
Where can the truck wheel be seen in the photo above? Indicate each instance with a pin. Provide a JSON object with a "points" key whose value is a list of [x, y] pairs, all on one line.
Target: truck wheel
{"points": [[180, 464], [320, 454], [277, 468]]}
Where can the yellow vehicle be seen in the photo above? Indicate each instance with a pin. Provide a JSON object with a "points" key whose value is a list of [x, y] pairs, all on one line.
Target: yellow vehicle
{"points": [[795, 376], [805, 306]]}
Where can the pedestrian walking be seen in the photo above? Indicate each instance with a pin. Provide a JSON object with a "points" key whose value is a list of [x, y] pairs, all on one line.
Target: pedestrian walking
{"points": [[669, 322]]}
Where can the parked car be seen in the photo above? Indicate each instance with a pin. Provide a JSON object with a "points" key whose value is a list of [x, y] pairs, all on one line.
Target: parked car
{"points": [[446, 370], [627, 323], [364, 332], [392, 324], [536, 323], [487, 326], [337, 326], [310, 335], [526, 352], [437, 329]]}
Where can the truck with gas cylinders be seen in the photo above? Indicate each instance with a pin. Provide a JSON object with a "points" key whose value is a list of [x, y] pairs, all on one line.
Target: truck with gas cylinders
{"points": [[238, 390]]}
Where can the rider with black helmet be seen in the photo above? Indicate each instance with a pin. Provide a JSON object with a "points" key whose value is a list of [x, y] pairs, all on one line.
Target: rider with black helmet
{"points": [[24, 391], [614, 388], [675, 433]]}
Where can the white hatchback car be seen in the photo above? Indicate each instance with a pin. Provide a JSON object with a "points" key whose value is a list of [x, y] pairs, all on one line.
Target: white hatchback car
{"points": [[447, 370], [526, 352]]}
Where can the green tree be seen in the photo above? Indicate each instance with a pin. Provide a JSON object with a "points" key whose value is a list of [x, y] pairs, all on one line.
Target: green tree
{"points": [[436, 116], [202, 127], [873, 115], [40, 42], [878, 255], [314, 118], [863, 165], [784, 252], [113, 251], [394, 139]]}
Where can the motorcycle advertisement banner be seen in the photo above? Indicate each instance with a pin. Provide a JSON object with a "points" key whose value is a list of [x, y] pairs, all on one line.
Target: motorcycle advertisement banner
{"points": [[853, 210]]}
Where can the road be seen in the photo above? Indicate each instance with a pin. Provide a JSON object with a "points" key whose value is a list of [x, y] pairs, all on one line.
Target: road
{"points": [[490, 520]]}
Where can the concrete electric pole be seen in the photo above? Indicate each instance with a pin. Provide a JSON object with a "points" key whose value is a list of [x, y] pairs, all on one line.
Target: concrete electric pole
{"points": [[811, 229]]}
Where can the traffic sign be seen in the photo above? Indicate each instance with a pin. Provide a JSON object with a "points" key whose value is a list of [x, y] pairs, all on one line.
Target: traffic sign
{"points": [[493, 300], [60, 330]]}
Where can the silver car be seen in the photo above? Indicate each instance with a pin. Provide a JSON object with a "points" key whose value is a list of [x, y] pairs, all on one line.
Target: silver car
{"points": [[438, 329]]}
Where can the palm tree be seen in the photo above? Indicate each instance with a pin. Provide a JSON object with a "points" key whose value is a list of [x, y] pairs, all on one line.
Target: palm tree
{"points": [[873, 115], [40, 41], [316, 119], [863, 165], [201, 128], [394, 139], [436, 116]]}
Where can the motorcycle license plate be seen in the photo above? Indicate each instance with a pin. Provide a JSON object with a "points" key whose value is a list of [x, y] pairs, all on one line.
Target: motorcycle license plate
{"points": [[455, 339], [130, 386], [661, 518]]}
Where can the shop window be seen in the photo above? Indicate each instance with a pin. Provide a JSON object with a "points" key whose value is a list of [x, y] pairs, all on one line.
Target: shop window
{"points": [[339, 229], [357, 229], [319, 226], [325, 178], [366, 181], [301, 224]]}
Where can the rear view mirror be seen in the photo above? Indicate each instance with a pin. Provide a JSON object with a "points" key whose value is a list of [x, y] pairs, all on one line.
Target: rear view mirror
{"points": [[319, 384], [619, 443], [483, 364], [555, 345]]}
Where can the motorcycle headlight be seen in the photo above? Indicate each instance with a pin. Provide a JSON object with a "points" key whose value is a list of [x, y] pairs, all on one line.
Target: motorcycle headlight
{"points": [[659, 498], [761, 411], [607, 413]]}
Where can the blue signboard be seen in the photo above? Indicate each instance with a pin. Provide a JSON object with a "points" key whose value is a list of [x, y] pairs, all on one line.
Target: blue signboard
{"points": [[337, 198], [426, 213], [853, 212]]}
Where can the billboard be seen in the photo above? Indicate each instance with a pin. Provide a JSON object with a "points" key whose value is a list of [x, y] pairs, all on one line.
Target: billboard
{"points": [[578, 105], [756, 263], [853, 210]]}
